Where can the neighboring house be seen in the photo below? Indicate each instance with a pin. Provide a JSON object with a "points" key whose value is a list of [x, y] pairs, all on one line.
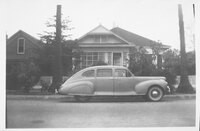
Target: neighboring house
{"points": [[111, 46], [21, 47]]}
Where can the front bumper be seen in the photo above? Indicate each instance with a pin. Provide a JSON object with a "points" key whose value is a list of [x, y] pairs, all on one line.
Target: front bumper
{"points": [[167, 90]]}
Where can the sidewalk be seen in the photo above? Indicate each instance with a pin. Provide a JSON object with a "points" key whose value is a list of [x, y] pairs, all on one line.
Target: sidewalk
{"points": [[36, 95]]}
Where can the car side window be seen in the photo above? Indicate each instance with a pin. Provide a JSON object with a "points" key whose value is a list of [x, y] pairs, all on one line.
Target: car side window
{"points": [[104, 73], [89, 73], [122, 73]]}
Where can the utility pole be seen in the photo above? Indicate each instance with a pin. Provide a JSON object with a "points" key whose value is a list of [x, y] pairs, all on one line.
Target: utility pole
{"points": [[184, 86], [58, 42], [193, 27], [57, 77], [193, 10]]}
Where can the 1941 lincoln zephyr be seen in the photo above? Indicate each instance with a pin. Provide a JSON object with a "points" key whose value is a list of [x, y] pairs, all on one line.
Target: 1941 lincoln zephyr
{"points": [[112, 81]]}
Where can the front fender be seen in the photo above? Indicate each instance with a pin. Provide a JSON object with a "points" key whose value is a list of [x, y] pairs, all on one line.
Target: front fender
{"points": [[80, 88], [142, 87]]}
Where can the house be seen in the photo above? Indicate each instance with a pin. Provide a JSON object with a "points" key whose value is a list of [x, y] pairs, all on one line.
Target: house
{"points": [[21, 47], [111, 46], [98, 45]]}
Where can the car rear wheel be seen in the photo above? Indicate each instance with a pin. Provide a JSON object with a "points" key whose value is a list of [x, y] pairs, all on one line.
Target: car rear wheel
{"points": [[155, 93], [82, 98]]}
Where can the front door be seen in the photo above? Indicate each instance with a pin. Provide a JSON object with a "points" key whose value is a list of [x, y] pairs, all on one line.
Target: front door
{"points": [[117, 59], [104, 82]]}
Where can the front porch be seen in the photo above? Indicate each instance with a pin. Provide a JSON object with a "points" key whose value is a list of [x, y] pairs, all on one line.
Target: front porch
{"points": [[90, 58]]}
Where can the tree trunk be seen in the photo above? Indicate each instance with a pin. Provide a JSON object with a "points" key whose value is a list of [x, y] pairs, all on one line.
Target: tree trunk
{"points": [[57, 65], [184, 86]]}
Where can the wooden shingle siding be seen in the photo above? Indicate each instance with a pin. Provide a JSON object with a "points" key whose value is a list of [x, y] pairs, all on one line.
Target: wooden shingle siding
{"points": [[31, 47]]}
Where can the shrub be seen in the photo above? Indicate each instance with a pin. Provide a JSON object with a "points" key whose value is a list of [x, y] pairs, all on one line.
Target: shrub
{"points": [[45, 85], [170, 76], [12, 74], [22, 75]]}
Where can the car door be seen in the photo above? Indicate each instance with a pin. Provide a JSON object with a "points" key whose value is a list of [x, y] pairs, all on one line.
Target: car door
{"points": [[104, 81], [123, 82]]}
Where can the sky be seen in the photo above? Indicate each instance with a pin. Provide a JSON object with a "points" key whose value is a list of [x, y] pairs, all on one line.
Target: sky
{"points": [[153, 19]]}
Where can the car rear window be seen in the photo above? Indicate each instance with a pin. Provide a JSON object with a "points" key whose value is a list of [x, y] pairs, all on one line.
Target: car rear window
{"points": [[89, 73], [104, 73]]}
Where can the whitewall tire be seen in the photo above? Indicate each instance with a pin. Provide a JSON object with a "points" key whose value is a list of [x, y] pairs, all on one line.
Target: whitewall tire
{"points": [[155, 93]]}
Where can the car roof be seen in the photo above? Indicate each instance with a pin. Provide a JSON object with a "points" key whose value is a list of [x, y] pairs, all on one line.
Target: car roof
{"points": [[104, 66]]}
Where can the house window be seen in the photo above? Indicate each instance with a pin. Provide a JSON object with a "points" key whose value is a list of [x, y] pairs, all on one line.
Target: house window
{"points": [[21, 46], [92, 58]]}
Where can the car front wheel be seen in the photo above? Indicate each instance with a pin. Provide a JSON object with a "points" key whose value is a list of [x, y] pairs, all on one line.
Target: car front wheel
{"points": [[155, 93]]}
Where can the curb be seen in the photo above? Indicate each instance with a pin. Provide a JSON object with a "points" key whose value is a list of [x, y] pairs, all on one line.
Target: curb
{"points": [[57, 96], [38, 97], [181, 96]]}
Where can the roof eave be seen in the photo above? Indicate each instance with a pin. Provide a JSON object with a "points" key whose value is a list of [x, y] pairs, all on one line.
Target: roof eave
{"points": [[107, 46]]}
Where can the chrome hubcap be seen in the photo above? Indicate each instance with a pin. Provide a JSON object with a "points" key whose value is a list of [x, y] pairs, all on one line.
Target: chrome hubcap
{"points": [[155, 93]]}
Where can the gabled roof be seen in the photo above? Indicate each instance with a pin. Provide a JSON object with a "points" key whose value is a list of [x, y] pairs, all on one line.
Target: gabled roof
{"points": [[135, 39], [27, 36], [102, 30]]}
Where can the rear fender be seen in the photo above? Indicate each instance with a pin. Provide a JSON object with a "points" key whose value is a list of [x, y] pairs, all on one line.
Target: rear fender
{"points": [[81, 88]]}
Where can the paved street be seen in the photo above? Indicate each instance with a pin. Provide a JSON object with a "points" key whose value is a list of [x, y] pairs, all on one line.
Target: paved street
{"points": [[110, 112]]}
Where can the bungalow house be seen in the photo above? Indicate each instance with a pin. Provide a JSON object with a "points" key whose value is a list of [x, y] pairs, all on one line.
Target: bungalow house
{"points": [[111, 46]]}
